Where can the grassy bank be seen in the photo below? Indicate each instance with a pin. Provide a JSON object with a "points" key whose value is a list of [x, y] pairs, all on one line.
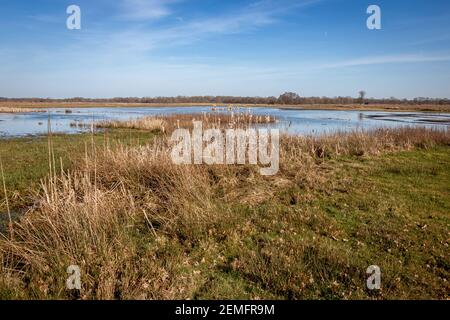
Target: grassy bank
{"points": [[141, 227]]}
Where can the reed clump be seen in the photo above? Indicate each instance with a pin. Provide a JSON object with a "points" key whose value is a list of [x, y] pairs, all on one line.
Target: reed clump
{"points": [[370, 143], [146, 123], [5, 109], [168, 123]]}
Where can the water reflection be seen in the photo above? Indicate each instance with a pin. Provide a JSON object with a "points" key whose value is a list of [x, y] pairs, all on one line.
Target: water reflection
{"points": [[290, 121]]}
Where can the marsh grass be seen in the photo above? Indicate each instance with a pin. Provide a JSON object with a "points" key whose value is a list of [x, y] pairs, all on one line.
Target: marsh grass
{"points": [[7, 109], [168, 123], [26, 160], [141, 227]]}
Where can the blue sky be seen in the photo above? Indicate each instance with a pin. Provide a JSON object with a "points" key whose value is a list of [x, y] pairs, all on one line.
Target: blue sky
{"points": [[224, 47]]}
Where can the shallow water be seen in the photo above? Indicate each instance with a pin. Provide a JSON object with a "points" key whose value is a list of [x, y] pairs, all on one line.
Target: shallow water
{"points": [[290, 121]]}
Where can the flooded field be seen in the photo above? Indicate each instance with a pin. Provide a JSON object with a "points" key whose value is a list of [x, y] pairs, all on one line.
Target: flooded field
{"points": [[289, 121]]}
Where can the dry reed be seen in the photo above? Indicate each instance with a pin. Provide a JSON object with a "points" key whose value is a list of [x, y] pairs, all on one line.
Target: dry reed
{"points": [[168, 123], [18, 110]]}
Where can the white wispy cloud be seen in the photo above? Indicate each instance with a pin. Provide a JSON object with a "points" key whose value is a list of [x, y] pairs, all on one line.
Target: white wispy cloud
{"points": [[386, 59], [431, 39], [46, 18], [134, 36], [134, 42], [244, 19], [193, 31], [311, 67], [145, 9]]}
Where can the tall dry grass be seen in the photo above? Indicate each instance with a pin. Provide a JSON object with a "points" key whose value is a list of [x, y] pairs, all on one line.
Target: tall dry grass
{"points": [[146, 123], [372, 142], [168, 123], [7, 109], [119, 214]]}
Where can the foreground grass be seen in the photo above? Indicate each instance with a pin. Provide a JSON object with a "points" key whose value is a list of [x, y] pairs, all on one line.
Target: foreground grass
{"points": [[26, 160], [309, 243], [139, 227]]}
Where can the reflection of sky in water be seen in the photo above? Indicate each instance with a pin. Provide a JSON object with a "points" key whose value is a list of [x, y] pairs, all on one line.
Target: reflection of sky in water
{"points": [[292, 121]]}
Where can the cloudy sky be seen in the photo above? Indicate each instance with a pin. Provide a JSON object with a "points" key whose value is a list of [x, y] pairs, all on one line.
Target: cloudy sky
{"points": [[224, 47]]}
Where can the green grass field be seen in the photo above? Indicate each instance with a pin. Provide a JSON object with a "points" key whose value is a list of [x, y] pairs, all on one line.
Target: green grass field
{"points": [[391, 211]]}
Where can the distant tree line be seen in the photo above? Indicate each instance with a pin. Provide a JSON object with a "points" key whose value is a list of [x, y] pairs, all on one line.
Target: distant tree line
{"points": [[288, 98]]}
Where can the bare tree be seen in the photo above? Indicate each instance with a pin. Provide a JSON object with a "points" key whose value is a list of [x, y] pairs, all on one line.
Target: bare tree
{"points": [[362, 96]]}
